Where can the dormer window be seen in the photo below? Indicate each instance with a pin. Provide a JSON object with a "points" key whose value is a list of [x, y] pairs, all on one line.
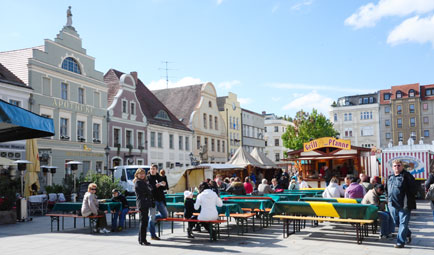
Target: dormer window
{"points": [[398, 94], [71, 64], [386, 96], [162, 115], [411, 93]]}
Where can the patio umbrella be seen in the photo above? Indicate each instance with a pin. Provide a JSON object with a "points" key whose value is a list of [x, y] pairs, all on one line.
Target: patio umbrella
{"points": [[6, 162], [31, 178]]}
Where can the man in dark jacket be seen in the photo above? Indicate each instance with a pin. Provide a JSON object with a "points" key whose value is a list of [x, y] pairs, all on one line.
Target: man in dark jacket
{"points": [[401, 196], [237, 187], [158, 186], [118, 197]]}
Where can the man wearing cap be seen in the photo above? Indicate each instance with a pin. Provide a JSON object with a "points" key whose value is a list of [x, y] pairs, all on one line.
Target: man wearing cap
{"points": [[118, 197]]}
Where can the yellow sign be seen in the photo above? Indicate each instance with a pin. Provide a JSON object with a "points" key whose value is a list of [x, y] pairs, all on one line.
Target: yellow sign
{"points": [[85, 148], [327, 142]]}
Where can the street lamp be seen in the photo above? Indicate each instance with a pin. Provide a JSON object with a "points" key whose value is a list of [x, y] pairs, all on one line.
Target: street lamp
{"points": [[107, 153], [73, 165], [22, 167]]}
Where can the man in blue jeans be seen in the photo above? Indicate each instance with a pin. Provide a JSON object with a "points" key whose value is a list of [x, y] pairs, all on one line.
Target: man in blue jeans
{"points": [[118, 197], [158, 187], [401, 196]]}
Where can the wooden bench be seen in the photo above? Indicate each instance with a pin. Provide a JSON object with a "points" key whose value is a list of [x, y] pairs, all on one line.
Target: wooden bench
{"points": [[360, 224], [240, 219], [211, 227], [56, 217]]}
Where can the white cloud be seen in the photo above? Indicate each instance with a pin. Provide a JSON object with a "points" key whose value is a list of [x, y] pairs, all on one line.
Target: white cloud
{"points": [[219, 2], [275, 99], [299, 86], [415, 29], [275, 8], [228, 84], [161, 84], [368, 15], [298, 6], [244, 100], [309, 101]]}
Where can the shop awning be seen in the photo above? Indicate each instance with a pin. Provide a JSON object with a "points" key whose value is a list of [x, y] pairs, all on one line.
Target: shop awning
{"points": [[17, 123]]}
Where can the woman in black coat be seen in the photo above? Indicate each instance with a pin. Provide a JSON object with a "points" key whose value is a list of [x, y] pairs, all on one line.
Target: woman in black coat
{"points": [[143, 202], [428, 183]]}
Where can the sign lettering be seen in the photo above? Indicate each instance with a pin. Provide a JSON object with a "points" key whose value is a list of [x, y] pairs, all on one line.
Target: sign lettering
{"points": [[327, 142]]}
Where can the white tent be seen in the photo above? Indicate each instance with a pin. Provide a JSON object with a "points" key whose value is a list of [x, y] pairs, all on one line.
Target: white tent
{"points": [[243, 159], [261, 158]]}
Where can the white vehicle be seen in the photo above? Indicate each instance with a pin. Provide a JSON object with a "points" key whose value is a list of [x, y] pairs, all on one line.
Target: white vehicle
{"points": [[125, 175]]}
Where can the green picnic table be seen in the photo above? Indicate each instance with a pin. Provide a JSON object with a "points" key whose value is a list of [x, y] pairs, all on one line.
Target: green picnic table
{"points": [[227, 208], [284, 196], [251, 203], [333, 200]]}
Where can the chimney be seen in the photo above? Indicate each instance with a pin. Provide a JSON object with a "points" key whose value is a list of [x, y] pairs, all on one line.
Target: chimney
{"points": [[134, 74]]}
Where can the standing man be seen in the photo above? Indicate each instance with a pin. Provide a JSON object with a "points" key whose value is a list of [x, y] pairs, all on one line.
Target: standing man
{"points": [[158, 186], [401, 196]]}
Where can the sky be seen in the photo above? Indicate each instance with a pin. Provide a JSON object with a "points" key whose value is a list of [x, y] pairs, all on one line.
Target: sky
{"points": [[278, 56]]}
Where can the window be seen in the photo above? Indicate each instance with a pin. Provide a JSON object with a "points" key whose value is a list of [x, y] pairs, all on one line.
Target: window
{"points": [[388, 136], [124, 106], [350, 116], [212, 144], [163, 115], [370, 115], [204, 120], [198, 142], [96, 130], [425, 106], [387, 122], [371, 100], [425, 120], [398, 109], [413, 135], [386, 96], [209, 104], [365, 100], [399, 122], [216, 126], [140, 141], [398, 94], [426, 133], [181, 142], [63, 127], [64, 91], [429, 92], [206, 143], [412, 122], [14, 102], [411, 93], [387, 109], [360, 100], [210, 121], [128, 139], [133, 108], [71, 64], [348, 132], [266, 143], [81, 95], [116, 135], [170, 141], [277, 155], [411, 108], [276, 142], [400, 136], [218, 145], [223, 146], [187, 143], [276, 129], [361, 115], [160, 140], [153, 139], [335, 118], [265, 128], [345, 117]]}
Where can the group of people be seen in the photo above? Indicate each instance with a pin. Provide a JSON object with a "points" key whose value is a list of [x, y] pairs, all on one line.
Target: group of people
{"points": [[400, 190]]}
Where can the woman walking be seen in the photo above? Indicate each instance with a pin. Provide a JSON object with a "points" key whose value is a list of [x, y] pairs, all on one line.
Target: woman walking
{"points": [[143, 203]]}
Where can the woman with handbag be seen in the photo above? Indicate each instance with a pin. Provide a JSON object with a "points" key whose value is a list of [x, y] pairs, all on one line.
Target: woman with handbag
{"points": [[143, 202]]}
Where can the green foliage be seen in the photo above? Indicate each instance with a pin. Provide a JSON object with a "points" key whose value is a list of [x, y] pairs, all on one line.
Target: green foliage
{"points": [[55, 188], [8, 190], [306, 127], [105, 184]]}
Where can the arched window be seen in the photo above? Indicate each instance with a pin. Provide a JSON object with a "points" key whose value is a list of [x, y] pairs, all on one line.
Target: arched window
{"points": [[162, 115], [411, 93], [71, 64], [209, 104], [398, 94]]}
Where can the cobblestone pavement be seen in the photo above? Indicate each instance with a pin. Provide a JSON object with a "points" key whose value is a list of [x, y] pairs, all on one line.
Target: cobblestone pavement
{"points": [[34, 237]]}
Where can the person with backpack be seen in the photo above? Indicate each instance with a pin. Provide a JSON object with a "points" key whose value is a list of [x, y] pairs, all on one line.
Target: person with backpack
{"points": [[429, 187]]}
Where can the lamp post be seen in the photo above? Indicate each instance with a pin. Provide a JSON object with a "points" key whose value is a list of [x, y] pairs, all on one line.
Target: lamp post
{"points": [[73, 165], [22, 167], [107, 154]]}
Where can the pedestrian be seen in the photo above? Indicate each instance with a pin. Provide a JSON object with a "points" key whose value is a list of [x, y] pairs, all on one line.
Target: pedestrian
{"points": [[164, 178], [428, 183], [118, 197], [207, 201], [158, 187], [401, 196], [144, 201], [188, 212], [90, 206]]}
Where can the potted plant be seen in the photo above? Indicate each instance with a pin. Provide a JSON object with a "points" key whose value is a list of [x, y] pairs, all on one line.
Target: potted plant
{"points": [[8, 189], [130, 147]]}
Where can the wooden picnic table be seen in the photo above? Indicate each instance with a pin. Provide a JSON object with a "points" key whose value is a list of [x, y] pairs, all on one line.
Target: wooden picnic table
{"points": [[76, 206]]}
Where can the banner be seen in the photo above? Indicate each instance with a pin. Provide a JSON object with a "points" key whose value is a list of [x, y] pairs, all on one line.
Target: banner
{"points": [[327, 142]]}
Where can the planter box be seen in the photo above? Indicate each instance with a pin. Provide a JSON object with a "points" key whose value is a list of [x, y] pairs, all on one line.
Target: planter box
{"points": [[8, 217]]}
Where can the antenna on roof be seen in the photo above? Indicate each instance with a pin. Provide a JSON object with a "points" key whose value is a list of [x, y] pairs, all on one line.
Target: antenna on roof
{"points": [[167, 72]]}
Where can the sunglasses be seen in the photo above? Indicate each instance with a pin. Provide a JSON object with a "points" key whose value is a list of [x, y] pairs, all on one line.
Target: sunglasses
{"points": [[396, 165], [92, 189]]}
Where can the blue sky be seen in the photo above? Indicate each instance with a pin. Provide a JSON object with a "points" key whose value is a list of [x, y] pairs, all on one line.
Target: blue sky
{"points": [[277, 56]]}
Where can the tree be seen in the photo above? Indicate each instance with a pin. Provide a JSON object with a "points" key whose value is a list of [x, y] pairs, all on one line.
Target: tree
{"points": [[307, 127]]}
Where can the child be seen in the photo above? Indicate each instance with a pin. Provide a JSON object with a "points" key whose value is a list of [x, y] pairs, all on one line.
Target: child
{"points": [[188, 211]]}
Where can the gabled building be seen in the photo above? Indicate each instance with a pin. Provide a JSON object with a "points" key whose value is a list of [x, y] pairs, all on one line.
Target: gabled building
{"points": [[196, 107], [253, 126], [126, 122], [68, 89], [230, 111]]}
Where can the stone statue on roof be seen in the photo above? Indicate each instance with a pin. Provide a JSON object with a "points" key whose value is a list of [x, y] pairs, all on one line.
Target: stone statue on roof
{"points": [[69, 17]]}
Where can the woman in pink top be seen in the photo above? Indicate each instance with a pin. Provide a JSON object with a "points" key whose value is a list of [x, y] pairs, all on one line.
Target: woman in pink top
{"points": [[248, 186]]}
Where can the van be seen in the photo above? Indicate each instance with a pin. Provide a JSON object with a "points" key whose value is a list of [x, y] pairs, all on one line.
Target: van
{"points": [[125, 175]]}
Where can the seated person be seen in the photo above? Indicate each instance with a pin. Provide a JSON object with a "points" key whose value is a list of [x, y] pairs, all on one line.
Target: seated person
{"points": [[347, 182], [264, 188], [333, 190], [365, 182], [302, 183], [118, 197], [248, 186], [386, 220], [90, 207], [207, 201], [293, 185], [355, 190], [236, 187], [275, 185], [188, 212]]}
